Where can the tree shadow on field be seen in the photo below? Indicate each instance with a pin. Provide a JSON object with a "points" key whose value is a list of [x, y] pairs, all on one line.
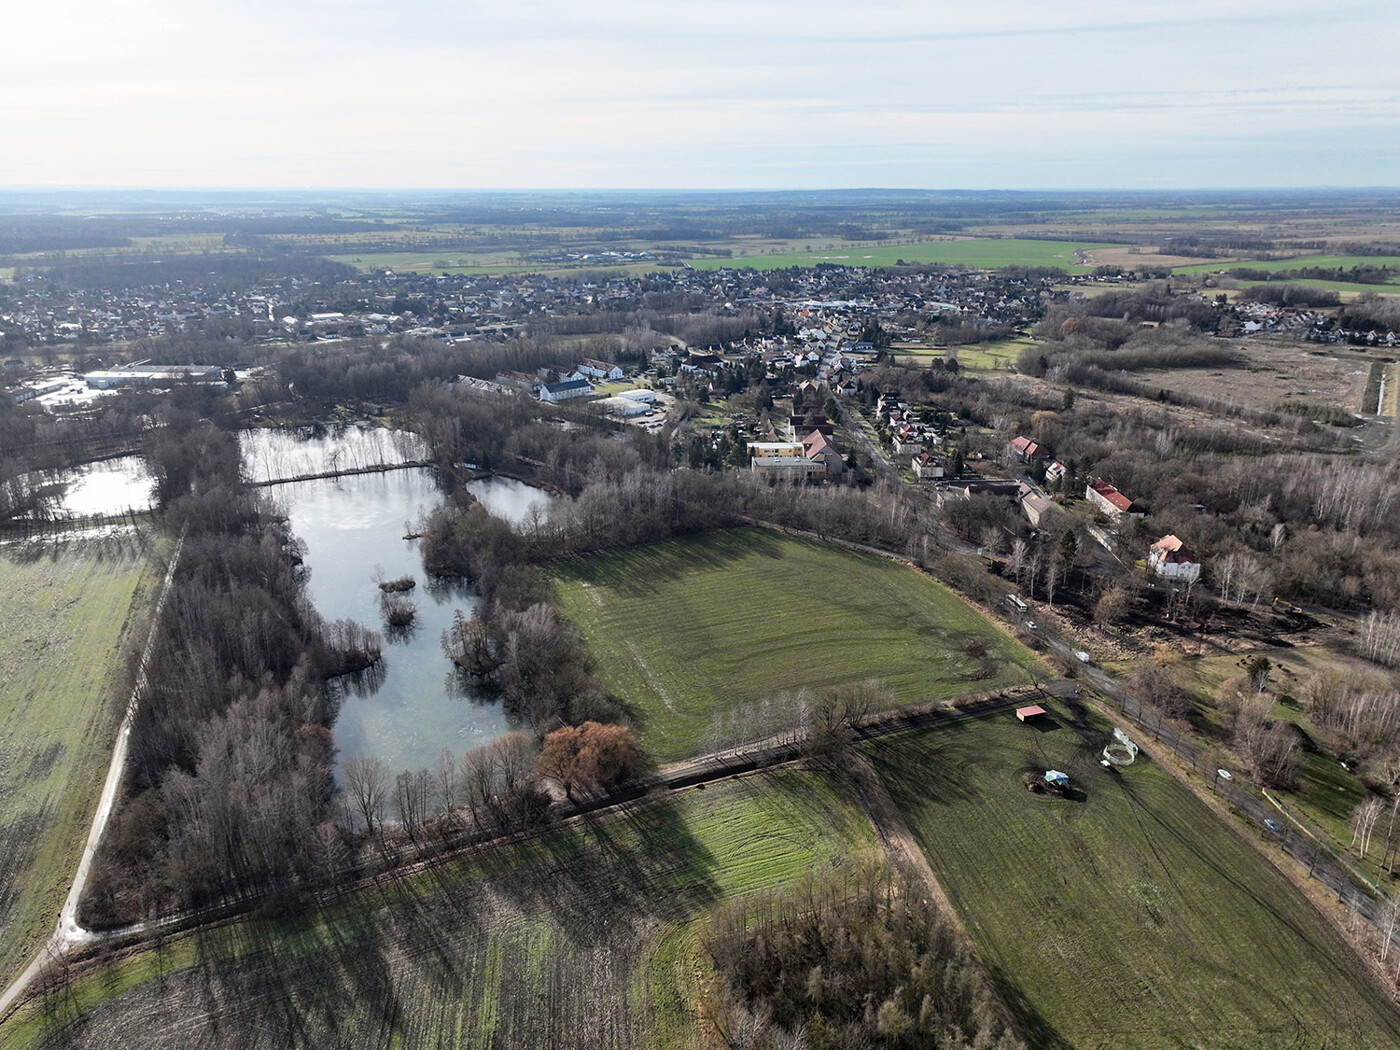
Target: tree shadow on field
{"points": [[1033, 1027], [613, 871], [927, 766], [298, 982]]}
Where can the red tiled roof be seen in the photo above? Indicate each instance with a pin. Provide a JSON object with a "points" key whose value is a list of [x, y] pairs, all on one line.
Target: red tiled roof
{"points": [[1111, 494]]}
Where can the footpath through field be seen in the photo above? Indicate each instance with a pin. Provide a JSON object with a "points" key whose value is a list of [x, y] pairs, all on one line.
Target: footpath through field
{"points": [[69, 934]]}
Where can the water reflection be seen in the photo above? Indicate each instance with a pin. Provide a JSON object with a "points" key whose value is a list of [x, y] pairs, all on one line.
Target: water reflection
{"points": [[411, 705], [271, 455], [108, 488], [508, 498]]}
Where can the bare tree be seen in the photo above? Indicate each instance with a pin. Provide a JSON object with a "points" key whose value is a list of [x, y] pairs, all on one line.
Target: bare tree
{"points": [[367, 783]]}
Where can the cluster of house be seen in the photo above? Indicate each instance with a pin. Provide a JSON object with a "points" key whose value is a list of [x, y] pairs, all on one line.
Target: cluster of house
{"points": [[909, 434], [802, 451], [827, 307]]}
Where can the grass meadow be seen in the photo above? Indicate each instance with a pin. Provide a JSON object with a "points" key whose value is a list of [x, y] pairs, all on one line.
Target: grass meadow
{"points": [[588, 937], [1127, 915], [693, 633], [67, 614], [991, 357], [1344, 262]]}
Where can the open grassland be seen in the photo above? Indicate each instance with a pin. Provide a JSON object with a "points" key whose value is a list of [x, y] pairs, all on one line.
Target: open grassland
{"points": [[692, 631], [992, 357], [589, 937], [1349, 289], [1128, 914], [987, 253], [1274, 371], [67, 612], [1331, 262]]}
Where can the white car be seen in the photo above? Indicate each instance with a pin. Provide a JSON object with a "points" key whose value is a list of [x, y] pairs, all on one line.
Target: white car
{"points": [[1082, 656], [1032, 625]]}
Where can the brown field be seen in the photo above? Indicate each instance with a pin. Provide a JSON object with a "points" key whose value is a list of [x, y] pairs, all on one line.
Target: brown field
{"points": [[1276, 372]]}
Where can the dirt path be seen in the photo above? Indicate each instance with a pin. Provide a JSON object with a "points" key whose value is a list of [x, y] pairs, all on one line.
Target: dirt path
{"points": [[69, 934], [905, 854]]}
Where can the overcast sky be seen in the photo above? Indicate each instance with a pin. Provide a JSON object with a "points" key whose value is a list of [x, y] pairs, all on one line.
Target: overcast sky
{"points": [[700, 93]]}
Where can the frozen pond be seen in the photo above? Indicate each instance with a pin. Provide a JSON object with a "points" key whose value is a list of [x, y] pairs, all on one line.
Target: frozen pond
{"points": [[271, 455]]}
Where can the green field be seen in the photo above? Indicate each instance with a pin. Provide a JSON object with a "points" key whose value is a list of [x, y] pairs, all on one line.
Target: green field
{"points": [[67, 612], [693, 632], [988, 253], [977, 358], [1392, 287], [1129, 916], [590, 937]]}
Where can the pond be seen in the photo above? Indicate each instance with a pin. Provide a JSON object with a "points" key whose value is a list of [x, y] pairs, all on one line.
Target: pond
{"points": [[510, 499], [109, 488], [415, 703], [273, 455]]}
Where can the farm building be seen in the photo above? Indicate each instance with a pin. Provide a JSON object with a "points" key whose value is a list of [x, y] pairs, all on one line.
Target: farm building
{"points": [[623, 407], [157, 375], [599, 369]]}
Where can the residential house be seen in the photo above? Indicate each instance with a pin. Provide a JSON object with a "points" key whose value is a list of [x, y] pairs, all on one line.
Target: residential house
{"points": [[1109, 500], [1026, 450], [595, 369], [928, 467], [1173, 560], [818, 448], [908, 439], [1034, 506]]}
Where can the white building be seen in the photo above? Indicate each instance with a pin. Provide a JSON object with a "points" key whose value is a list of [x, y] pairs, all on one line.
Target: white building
{"points": [[1173, 560]]}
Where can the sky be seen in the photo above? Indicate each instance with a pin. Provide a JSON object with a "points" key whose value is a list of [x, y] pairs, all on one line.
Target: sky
{"points": [[782, 94]]}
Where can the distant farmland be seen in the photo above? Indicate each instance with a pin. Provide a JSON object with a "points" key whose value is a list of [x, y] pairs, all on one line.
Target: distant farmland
{"points": [[985, 254], [1131, 916], [588, 938], [695, 631], [63, 622]]}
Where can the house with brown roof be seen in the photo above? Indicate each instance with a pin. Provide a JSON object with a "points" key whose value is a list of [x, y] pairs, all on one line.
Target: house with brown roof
{"points": [[1109, 500], [928, 467], [1172, 559], [819, 449], [1026, 450]]}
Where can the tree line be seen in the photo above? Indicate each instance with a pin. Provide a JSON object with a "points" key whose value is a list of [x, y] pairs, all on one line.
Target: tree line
{"points": [[229, 774]]}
